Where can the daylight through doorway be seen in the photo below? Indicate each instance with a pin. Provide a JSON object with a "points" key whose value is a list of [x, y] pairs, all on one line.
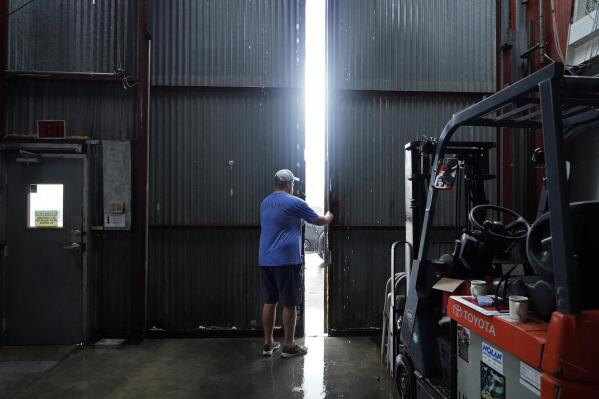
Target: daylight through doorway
{"points": [[315, 162]]}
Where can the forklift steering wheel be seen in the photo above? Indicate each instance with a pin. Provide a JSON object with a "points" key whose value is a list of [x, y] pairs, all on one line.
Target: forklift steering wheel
{"points": [[514, 231]]}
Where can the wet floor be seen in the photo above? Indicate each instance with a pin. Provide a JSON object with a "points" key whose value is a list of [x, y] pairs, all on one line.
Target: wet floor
{"points": [[200, 368], [314, 295], [203, 368]]}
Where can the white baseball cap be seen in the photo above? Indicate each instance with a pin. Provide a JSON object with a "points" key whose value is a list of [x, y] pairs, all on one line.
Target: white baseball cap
{"points": [[285, 175]]}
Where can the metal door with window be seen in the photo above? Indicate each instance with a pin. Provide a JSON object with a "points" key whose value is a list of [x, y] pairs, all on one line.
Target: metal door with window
{"points": [[43, 265]]}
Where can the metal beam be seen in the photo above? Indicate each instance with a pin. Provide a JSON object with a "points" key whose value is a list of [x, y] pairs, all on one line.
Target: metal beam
{"points": [[228, 89], [565, 264], [140, 177], [528, 117], [507, 63], [404, 93], [3, 63], [505, 123], [64, 75], [514, 112]]}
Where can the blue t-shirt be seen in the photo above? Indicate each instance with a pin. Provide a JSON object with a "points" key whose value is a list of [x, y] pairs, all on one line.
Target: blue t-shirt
{"points": [[281, 217]]}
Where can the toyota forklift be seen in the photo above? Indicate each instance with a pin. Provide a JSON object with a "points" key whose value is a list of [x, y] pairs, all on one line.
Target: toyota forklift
{"points": [[444, 343]]}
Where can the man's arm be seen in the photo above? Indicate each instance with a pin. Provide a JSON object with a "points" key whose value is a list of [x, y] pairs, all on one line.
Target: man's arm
{"points": [[323, 220], [306, 213]]}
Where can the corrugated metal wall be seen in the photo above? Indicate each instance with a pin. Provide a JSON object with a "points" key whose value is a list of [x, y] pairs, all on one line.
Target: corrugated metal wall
{"points": [[97, 110], [114, 284], [256, 43], [398, 69], [214, 153], [369, 134], [226, 113], [203, 278], [80, 36], [422, 45], [227, 110], [72, 35], [362, 261]]}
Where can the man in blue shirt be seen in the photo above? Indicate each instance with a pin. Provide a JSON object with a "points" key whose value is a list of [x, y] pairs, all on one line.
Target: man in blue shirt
{"points": [[281, 216]]}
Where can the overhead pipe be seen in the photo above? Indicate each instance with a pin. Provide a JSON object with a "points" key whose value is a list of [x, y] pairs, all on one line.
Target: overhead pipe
{"points": [[62, 74], [117, 75]]}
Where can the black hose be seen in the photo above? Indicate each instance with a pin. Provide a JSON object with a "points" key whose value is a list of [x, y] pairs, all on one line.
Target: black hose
{"points": [[506, 276]]}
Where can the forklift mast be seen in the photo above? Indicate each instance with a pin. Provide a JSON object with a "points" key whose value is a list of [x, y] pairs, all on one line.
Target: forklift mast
{"points": [[474, 170]]}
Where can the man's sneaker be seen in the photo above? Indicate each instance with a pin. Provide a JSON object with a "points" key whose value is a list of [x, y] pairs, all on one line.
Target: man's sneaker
{"points": [[293, 351], [268, 350]]}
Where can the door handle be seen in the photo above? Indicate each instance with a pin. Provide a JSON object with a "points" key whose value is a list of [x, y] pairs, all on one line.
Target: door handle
{"points": [[73, 247]]}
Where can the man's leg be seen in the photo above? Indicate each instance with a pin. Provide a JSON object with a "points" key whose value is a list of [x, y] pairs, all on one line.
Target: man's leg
{"points": [[269, 313], [291, 297], [270, 297], [289, 317]]}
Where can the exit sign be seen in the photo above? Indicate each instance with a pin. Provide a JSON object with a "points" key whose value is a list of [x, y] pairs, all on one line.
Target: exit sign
{"points": [[51, 130]]}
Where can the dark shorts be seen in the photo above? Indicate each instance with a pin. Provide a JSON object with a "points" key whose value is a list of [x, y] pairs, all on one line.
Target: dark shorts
{"points": [[282, 284]]}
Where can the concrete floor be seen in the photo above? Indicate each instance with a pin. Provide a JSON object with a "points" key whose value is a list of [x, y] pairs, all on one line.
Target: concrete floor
{"points": [[314, 295], [203, 368], [196, 368]]}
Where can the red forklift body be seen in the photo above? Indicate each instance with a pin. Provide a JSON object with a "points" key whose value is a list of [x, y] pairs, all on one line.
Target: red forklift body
{"points": [[564, 350]]}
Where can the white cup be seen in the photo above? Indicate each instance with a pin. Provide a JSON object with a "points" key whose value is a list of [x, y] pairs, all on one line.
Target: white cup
{"points": [[478, 287], [518, 308]]}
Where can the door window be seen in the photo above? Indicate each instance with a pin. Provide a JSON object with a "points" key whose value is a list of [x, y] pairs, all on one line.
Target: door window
{"points": [[45, 206]]}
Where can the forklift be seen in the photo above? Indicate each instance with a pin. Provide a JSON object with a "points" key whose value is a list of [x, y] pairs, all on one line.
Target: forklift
{"points": [[445, 343]]}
